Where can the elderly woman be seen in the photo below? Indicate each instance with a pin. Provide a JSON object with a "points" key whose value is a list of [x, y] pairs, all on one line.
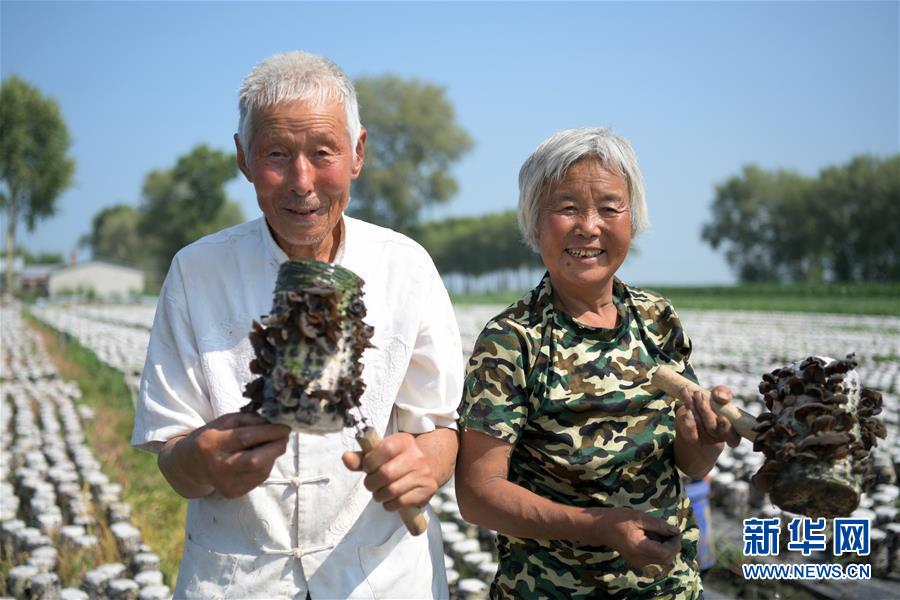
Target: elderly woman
{"points": [[567, 451]]}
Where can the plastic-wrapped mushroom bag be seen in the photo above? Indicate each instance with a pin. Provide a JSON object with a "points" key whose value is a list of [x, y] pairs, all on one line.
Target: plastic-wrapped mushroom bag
{"points": [[308, 356], [309, 349], [817, 436]]}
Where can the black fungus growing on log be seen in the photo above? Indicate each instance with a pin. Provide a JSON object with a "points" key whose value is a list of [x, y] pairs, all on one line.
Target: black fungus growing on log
{"points": [[817, 436], [309, 349]]}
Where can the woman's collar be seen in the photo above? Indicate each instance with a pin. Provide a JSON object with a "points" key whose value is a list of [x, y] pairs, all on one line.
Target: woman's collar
{"points": [[619, 299]]}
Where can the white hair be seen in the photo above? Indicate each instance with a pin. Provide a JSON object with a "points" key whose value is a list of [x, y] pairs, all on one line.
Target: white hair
{"points": [[296, 76], [550, 161]]}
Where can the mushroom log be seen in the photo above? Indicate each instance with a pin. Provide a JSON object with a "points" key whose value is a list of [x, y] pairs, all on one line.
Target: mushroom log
{"points": [[816, 434]]}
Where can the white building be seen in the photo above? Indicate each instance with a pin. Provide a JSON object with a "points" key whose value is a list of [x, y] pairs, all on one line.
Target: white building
{"points": [[97, 278]]}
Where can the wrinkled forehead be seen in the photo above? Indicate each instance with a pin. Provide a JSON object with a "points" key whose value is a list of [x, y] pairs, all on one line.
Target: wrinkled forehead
{"points": [[292, 116]]}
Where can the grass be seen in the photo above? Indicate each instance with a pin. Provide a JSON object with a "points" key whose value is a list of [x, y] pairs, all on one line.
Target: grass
{"points": [[74, 563], [156, 510], [855, 299]]}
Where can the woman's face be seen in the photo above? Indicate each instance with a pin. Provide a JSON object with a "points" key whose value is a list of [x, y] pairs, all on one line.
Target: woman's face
{"points": [[584, 227]]}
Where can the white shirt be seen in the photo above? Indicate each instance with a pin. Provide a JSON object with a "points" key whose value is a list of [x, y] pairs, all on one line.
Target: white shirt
{"points": [[312, 525]]}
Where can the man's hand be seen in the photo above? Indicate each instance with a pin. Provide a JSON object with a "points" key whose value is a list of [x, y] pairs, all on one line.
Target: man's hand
{"points": [[231, 455], [699, 423], [398, 472], [641, 539]]}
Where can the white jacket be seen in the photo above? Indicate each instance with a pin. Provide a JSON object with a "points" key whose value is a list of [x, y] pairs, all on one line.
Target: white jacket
{"points": [[311, 526]]}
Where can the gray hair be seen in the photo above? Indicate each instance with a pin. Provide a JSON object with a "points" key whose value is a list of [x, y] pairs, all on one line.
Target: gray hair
{"points": [[296, 76], [550, 161]]}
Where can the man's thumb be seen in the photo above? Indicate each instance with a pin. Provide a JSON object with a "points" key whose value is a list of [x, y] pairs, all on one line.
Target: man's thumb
{"points": [[353, 460]]}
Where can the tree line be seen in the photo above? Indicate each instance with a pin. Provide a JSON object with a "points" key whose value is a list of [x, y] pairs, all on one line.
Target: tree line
{"points": [[776, 226], [838, 226], [414, 141], [476, 245]]}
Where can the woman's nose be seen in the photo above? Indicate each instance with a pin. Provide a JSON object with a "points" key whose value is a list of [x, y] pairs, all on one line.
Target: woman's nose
{"points": [[589, 223]]}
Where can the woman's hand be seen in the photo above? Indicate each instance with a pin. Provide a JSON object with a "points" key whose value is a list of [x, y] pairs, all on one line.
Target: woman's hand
{"points": [[639, 538], [486, 497], [697, 422]]}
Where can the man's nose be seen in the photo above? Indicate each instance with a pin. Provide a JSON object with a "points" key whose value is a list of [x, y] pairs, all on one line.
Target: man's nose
{"points": [[302, 176]]}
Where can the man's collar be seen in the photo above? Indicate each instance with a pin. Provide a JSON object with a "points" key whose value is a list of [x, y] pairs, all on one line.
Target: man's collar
{"points": [[273, 251], [342, 243]]}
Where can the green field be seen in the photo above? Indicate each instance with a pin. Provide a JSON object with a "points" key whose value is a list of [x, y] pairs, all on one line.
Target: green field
{"points": [[855, 299]]}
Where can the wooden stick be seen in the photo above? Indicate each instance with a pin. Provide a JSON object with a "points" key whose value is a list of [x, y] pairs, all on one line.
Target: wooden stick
{"points": [[415, 520], [671, 382]]}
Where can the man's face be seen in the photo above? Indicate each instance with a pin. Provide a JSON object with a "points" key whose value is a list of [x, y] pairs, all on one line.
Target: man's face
{"points": [[301, 164]]}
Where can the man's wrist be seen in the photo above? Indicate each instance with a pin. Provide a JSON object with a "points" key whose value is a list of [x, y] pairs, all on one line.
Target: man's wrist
{"points": [[178, 466], [440, 447]]}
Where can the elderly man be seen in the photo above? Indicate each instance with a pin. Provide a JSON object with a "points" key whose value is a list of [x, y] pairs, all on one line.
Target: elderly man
{"points": [[275, 513]]}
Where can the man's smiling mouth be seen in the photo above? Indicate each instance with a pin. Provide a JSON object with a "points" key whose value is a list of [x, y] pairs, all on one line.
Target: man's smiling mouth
{"points": [[303, 212]]}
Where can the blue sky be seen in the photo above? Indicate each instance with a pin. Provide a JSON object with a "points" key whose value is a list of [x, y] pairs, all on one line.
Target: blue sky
{"points": [[700, 89]]}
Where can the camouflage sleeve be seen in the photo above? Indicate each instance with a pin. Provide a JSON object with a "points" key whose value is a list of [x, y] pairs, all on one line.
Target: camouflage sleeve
{"points": [[675, 343], [495, 398], [664, 334]]}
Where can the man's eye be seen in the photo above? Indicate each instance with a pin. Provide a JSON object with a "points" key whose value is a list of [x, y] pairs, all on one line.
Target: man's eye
{"points": [[276, 154]]}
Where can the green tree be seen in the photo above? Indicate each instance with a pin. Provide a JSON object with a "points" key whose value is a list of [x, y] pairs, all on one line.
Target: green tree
{"points": [[41, 258], [114, 235], [861, 202], [476, 245], [746, 222], [44, 258], [35, 167], [838, 226], [185, 203], [413, 139]]}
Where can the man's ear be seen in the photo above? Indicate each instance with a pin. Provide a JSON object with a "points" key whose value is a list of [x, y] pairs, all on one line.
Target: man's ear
{"points": [[241, 159], [359, 156]]}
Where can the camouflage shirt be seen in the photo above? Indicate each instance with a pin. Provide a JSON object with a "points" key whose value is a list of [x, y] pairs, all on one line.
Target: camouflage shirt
{"points": [[587, 430]]}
